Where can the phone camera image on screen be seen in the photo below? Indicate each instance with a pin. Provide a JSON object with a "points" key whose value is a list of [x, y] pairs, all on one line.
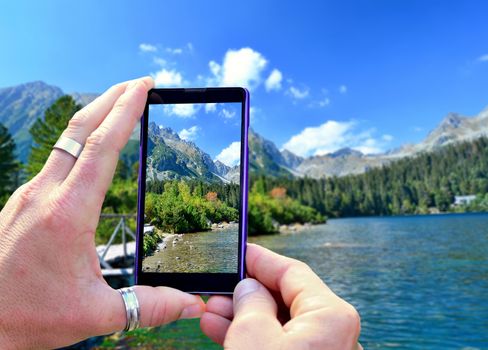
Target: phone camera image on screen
{"points": [[192, 188]]}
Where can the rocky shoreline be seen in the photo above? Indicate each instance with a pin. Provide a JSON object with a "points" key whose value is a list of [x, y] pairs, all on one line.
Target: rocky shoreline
{"points": [[294, 228], [174, 249]]}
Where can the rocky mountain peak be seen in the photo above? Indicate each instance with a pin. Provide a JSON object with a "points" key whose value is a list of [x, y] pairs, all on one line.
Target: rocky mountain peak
{"points": [[291, 159], [162, 131], [222, 169], [452, 120], [345, 152]]}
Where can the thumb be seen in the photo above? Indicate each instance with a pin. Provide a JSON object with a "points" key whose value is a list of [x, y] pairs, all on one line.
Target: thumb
{"points": [[158, 306], [255, 320]]}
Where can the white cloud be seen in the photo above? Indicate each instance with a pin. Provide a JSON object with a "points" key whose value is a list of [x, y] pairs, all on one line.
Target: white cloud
{"points": [[227, 114], [230, 155], [188, 48], [298, 94], [324, 102], [210, 107], [147, 48], [387, 137], [369, 146], [189, 134], [174, 51], [418, 129], [166, 77], [186, 110], [483, 58], [159, 61], [214, 68], [331, 136], [343, 89], [274, 80], [241, 67]]}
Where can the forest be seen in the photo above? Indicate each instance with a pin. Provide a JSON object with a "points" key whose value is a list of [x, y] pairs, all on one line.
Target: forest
{"points": [[426, 183], [422, 184]]}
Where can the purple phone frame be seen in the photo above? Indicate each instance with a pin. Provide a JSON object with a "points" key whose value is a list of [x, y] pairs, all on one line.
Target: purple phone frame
{"points": [[205, 283]]}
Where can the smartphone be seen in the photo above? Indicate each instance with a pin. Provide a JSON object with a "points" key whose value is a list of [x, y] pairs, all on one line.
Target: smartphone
{"points": [[193, 189]]}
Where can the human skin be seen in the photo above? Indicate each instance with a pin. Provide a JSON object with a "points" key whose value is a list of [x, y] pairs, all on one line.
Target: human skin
{"points": [[289, 308], [52, 292]]}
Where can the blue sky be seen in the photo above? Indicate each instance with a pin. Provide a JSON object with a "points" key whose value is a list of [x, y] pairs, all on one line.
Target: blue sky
{"points": [[367, 74], [214, 128]]}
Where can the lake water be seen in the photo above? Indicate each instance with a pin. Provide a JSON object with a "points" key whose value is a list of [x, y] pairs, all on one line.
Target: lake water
{"points": [[210, 251], [419, 282]]}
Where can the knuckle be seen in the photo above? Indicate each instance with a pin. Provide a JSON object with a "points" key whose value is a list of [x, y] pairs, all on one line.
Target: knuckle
{"points": [[103, 140], [347, 318], [55, 216], [247, 322], [125, 105], [96, 140], [297, 267], [78, 120], [26, 194], [121, 105], [300, 265], [159, 314]]}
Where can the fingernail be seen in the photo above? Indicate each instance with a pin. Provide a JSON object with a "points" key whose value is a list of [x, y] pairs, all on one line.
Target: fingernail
{"points": [[192, 311], [245, 287]]}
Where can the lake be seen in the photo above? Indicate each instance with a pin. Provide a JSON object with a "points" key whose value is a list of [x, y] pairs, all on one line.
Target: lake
{"points": [[419, 282]]}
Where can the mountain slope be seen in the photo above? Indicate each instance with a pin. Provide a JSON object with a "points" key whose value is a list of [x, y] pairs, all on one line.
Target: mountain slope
{"points": [[170, 157], [22, 105], [454, 128], [340, 163], [265, 158]]}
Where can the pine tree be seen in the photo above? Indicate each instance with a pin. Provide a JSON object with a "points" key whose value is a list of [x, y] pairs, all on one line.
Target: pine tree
{"points": [[9, 167], [46, 132]]}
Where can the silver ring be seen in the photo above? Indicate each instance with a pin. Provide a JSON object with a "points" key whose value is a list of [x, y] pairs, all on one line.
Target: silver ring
{"points": [[132, 310], [69, 145]]}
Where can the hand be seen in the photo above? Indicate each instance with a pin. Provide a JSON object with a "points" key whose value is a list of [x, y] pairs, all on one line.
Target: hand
{"points": [[286, 306], [52, 292]]}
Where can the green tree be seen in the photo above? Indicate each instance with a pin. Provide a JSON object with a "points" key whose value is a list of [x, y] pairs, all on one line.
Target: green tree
{"points": [[9, 167], [45, 132]]}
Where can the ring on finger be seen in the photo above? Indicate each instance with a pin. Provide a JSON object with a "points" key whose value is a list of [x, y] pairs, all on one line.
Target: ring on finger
{"points": [[132, 309], [69, 145]]}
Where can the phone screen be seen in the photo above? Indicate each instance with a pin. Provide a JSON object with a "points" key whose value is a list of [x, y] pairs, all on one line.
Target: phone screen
{"points": [[192, 188]]}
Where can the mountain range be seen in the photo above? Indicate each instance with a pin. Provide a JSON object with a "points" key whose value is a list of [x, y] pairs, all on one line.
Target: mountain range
{"points": [[266, 158], [21, 105], [173, 157], [170, 157]]}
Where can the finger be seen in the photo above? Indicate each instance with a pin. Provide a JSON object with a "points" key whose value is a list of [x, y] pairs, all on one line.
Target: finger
{"points": [[158, 306], [316, 312], [214, 326], [254, 315], [80, 126], [93, 171], [221, 305], [301, 289]]}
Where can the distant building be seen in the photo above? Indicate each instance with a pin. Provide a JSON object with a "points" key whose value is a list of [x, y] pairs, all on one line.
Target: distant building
{"points": [[463, 200]]}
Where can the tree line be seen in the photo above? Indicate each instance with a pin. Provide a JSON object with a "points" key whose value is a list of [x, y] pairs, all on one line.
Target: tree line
{"points": [[414, 185]]}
